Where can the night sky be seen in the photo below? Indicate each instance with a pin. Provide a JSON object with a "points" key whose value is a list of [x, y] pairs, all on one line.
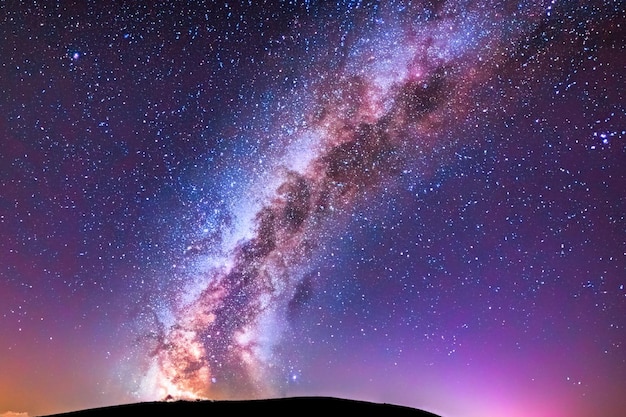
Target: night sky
{"points": [[412, 202]]}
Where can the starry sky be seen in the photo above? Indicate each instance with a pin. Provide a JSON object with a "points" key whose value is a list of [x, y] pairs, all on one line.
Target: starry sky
{"points": [[412, 202]]}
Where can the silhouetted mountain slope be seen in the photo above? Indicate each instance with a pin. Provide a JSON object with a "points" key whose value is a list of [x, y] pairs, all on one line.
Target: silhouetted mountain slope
{"points": [[283, 406]]}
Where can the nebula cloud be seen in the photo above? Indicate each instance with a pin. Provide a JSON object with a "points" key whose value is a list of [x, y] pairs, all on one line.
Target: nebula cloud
{"points": [[386, 106]]}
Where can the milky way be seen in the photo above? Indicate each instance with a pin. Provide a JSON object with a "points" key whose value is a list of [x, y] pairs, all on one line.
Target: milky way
{"points": [[387, 104], [418, 203]]}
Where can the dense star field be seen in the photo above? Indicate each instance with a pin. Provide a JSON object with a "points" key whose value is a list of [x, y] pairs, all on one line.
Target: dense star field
{"points": [[412, 202]]}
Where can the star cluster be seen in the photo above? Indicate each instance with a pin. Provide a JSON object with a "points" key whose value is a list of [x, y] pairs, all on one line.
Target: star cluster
{"points": [[411, 202]]}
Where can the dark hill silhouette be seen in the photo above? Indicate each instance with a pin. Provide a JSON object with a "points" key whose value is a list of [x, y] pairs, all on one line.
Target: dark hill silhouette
{"points": [[276, 407]]}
